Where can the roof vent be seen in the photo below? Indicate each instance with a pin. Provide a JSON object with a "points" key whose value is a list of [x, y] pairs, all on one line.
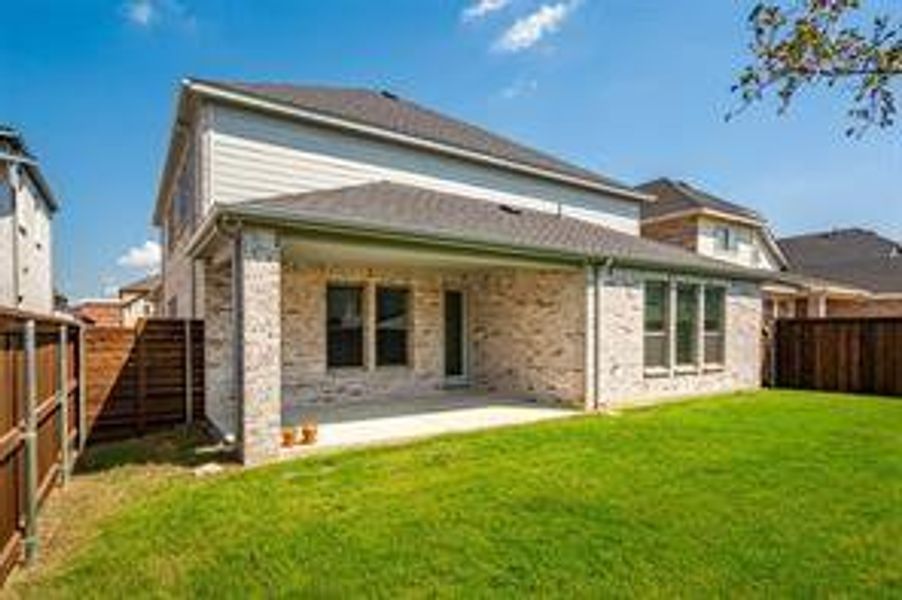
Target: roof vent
{"points": [[389, 95], [509, 209]]}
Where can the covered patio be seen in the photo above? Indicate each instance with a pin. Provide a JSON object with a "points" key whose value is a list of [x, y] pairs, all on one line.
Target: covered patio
{"points": [[401, 419]]}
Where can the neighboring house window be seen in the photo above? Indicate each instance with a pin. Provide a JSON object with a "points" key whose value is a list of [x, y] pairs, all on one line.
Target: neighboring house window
{"points": [[391, 326], [657, 310], [687, 324], [344, 326], [725, 239], [715, 325]]}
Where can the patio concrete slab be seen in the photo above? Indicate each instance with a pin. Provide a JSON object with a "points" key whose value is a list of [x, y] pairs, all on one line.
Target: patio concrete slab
{"points": [[397, 420]]}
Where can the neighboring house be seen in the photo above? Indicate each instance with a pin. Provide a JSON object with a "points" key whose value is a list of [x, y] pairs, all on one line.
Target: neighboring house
{"points": [[697, 220], [99, 312], [347, 245], [27, 207], [857, 258], [140, 299]]}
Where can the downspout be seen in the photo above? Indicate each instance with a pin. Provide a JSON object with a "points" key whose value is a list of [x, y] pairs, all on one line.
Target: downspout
{"points": [[232, 231]]}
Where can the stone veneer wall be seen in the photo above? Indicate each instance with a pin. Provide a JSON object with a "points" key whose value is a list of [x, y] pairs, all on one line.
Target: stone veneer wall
{"points": [[525, 334], [622, 372]]}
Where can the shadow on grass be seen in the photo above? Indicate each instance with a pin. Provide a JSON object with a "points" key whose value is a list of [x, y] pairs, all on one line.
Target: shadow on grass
{"points": [[185, 447]]}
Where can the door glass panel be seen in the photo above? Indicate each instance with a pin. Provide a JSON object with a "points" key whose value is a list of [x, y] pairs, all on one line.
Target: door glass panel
{"points": [[454, 364]]}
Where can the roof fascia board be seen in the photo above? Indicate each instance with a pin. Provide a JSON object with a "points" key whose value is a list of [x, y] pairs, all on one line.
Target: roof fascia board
{"points": [[252, 101], [707, 212]]}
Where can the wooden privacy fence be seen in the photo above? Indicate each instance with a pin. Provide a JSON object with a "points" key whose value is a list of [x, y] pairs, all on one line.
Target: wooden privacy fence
{"points": [[840, 354], [42, 423], [144, 378]]}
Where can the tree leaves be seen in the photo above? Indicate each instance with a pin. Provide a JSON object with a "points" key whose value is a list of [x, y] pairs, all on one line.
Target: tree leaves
{"points": [[809, 43]]}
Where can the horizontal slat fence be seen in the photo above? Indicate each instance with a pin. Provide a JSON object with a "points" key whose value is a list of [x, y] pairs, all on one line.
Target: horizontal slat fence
{"points": [[137, 378], [40, 422], [840, 354]]}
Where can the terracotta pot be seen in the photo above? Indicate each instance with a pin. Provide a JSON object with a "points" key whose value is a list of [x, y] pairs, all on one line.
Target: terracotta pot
{"points": [[308, 433], [289, 438]]}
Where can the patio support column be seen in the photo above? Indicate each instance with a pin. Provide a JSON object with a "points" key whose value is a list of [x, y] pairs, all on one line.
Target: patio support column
{"points": [[591, 397], [258, 322]]}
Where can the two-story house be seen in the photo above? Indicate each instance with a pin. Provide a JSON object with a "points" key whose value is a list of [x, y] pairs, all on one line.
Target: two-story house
{"points": [[27, 207], [347, 245]]}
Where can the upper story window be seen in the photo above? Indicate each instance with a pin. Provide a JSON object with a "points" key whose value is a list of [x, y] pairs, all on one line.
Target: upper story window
{"points": [[725, 239]]}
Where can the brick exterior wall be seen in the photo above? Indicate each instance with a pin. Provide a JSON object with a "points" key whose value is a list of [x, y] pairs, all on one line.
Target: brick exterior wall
{"points": [[866, 308], [261, 339], [681, 232], [525, 329], [528, 333], [622, 373]]}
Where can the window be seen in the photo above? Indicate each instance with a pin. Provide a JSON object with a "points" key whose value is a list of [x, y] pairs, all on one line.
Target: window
{"points": [[687, 324], [657, 309], [344, 326], [725, 239], [715, 317], [391, 326]]}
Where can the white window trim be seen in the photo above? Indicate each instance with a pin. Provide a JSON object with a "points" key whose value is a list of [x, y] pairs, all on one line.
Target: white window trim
{"points": [[699, 367]]}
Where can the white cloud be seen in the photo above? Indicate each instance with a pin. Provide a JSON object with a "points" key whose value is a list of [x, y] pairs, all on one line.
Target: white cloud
{"points": [[149, 13], [481, 8], [528, 30], [520, 87], [141, 12], [145, 257]]}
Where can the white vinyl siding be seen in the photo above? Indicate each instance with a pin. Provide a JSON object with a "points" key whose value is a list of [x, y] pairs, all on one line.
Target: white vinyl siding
{"points": [[254, 156]]}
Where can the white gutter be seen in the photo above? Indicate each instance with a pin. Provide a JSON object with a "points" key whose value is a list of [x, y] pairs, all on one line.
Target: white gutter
{"points": [[251, 101]]}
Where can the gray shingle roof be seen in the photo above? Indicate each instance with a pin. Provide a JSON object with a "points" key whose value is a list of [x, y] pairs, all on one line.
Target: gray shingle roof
{"points": [[427, 213], [389, 112], [678, 196], [852, 256]]}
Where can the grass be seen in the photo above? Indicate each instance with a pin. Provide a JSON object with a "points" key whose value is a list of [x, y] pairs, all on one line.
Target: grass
{"points": [[771, 494]]}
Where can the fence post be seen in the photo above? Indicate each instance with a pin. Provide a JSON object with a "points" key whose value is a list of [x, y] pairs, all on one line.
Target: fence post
{"points": [[62, 367], [31, 448], [82, 391], [142, 377], [189, 375]]}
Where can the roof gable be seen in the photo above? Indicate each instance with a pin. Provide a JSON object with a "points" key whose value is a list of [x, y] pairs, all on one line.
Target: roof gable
{"points": [[676, 197]]}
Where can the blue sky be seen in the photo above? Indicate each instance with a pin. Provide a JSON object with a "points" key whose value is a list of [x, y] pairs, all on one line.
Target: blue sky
{"points": [[631, 88]]}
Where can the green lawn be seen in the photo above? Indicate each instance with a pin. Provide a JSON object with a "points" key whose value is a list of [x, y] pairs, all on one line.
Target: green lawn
{"points": [[771, 494]]}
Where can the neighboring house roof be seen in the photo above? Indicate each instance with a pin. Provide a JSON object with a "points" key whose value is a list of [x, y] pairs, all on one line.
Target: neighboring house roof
{"points": [[143, 285], [13, 149], [443, 218], [678, 198], [856, 257], [385, 115]]}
